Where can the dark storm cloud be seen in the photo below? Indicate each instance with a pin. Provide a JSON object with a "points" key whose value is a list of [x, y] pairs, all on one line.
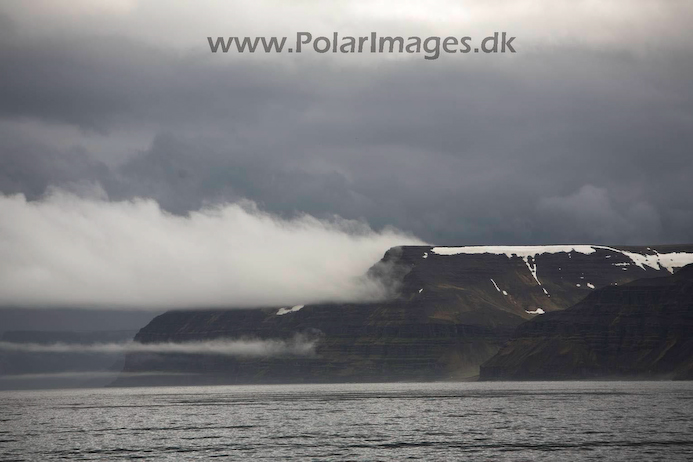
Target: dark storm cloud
{"points": [[30, 166], [560, 142], [97, 82]]}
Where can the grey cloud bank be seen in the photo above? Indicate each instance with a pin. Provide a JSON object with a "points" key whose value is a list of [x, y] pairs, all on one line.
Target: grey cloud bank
{"points": [[66, 250]]}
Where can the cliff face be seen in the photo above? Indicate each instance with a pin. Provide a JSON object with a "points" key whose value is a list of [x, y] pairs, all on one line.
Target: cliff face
{"points": [[353, 343], [456, 308], [643, 329]]}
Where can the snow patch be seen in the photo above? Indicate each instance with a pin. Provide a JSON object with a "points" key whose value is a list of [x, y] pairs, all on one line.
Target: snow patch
{"points": [[283, 311], [532, 267], [425, 255], [537, 311], [495, 285], [590, 285], [420, 290]]}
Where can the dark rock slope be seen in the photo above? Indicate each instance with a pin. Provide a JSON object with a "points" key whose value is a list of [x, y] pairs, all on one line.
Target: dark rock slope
{"points": [[643, 329], [456, 307]]}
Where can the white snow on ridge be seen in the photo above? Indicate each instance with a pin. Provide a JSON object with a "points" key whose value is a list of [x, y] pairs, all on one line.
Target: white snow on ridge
{"points": [[517, 250], [283, 311], [657, 261]]}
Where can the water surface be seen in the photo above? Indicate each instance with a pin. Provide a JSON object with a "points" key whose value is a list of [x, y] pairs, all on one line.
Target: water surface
{"points": [[432, 421]]}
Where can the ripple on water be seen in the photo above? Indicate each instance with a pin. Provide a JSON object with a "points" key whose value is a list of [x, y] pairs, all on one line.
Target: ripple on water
{"points": [[432, 421]]}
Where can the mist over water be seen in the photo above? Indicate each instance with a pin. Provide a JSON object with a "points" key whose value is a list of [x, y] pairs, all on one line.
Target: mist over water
{"points": [[438, 421], [298, 345]]}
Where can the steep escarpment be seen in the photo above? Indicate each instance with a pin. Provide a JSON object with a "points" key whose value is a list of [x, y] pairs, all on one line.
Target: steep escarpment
{"points": [[352, 343], [455, 308], [641, 330]]}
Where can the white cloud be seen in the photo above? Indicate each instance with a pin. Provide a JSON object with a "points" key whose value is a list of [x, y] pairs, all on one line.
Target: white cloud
{"points": [[67, 250]]}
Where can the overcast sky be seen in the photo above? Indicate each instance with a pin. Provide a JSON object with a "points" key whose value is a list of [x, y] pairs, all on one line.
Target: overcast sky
{"points": [[583, 135]]}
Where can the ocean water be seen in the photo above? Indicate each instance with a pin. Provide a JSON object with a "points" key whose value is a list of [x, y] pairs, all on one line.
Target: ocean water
{"points": [[431, 421]]}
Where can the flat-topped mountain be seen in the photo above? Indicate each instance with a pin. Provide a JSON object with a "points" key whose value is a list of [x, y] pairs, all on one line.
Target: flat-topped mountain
{"points": [[455, 308], [524, 280], [643, 329]]}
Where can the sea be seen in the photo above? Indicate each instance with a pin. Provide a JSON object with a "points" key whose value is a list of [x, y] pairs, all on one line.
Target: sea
{"points": [[495, 421]]}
